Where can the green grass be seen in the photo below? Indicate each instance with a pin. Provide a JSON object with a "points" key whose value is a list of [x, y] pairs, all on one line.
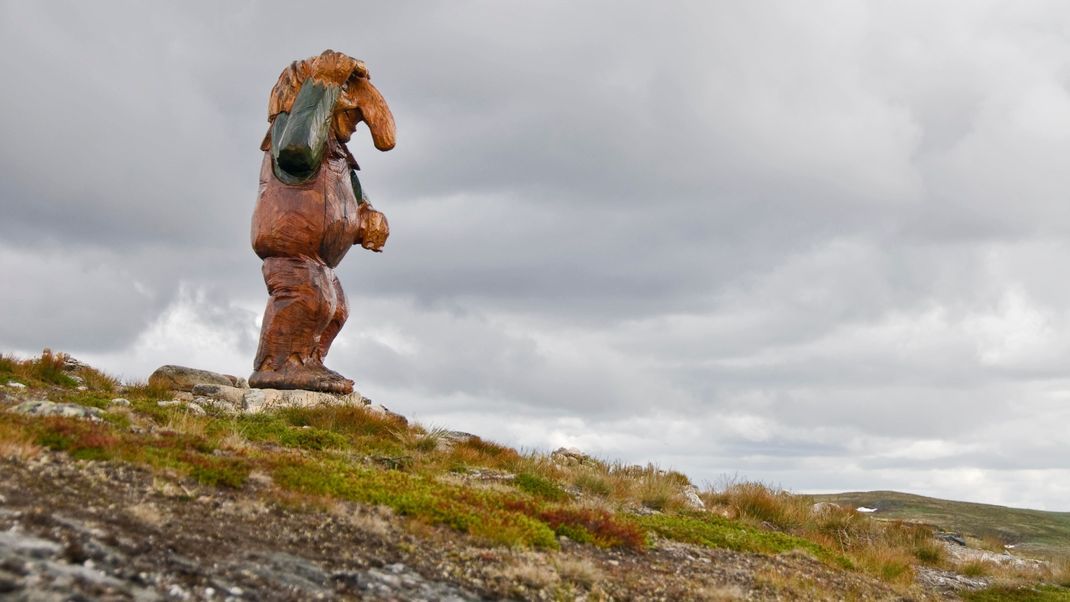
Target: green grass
{"points": [[277, 429], [540, 487], [1034, 531], [718, 532], [7, 366], [594, 484], [484, 514], [46, 369], [218, 472], [95, 399], [349, 453], [530, 516]]}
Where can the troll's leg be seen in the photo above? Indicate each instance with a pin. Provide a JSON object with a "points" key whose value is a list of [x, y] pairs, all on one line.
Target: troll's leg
{"points": [[301, 306], [338, 319]]}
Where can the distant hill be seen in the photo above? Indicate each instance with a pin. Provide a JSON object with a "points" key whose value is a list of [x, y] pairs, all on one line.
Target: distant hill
{"points": [[1030, 531]]}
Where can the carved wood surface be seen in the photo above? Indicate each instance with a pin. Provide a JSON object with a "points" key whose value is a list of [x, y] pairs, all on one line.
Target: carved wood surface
{"points": [[302, 231]]}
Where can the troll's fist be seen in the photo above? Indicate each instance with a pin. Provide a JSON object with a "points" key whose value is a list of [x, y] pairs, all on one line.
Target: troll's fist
{"points": [[373, 230]]}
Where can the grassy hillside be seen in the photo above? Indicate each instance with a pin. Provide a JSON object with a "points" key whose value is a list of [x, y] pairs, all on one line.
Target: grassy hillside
{"points": [[543, 526], [1030, 531]]}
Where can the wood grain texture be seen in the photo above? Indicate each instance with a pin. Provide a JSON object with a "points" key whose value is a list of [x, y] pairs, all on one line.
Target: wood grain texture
{"points": [[303, 231]]}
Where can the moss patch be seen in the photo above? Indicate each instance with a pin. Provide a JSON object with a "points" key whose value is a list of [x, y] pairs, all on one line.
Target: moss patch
{"points": [[540, 487], [717, 532], [484, 514]]}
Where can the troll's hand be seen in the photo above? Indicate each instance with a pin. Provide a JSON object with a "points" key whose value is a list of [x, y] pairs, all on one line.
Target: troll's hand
{"points": [[373, 230]]}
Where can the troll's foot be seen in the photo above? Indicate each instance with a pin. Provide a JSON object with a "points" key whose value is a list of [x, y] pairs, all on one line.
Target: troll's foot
{"points": [[302, 377]]}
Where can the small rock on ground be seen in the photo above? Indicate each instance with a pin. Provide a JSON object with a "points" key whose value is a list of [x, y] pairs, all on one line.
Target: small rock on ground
{"points": [[49, 408], [692, 499]]}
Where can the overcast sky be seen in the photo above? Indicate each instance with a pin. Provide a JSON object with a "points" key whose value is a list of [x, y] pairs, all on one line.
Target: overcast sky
{"points": [[823, 245]]}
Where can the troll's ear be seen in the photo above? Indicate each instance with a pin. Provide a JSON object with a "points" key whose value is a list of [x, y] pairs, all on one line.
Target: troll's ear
{"points": [[373, 110]]}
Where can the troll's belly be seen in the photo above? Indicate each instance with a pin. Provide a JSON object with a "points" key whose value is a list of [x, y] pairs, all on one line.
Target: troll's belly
{"points": [[317, 219]]}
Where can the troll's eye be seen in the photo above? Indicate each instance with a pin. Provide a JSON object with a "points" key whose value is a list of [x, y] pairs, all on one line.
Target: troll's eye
{"points": [[353, 77]]}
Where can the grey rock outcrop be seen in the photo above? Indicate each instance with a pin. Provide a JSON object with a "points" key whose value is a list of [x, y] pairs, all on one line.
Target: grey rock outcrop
{"points": [[225, 393], [692, 499], [262, 400], [570, 456], [824, 508], [961, 555], [181, 378], [50, 408]]}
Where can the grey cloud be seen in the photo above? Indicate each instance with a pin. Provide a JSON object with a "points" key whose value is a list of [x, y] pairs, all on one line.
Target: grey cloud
{"points": [[762, 237]]}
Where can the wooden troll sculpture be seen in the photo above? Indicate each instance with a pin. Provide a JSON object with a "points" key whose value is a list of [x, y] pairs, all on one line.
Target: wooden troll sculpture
{"points": [[310, 211]]}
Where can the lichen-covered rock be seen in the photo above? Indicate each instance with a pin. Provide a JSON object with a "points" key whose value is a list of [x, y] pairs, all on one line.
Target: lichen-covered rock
{"points": [[692, 499], [229, 394], [181, 378], [71, 364], [262, 400], [570, 456], [49, 408], [379, 408], [824, 508]]}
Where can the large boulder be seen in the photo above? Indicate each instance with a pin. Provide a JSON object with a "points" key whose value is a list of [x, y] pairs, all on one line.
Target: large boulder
{"points": [[181, 378]]}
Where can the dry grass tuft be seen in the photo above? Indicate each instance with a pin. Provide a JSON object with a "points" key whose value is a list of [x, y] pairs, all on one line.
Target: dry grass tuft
{"points": [[97, 380], [1060, 572], [48, 368], [143, 390], [233, 441], [17, 445], [530, 570], [720, 593], [932, 553], [975, 568], [147, 513], [8, 364], [187, 423], [800, 587], [622, 484], [760, 503], [368, 522], [888, 550], [578, 570]]}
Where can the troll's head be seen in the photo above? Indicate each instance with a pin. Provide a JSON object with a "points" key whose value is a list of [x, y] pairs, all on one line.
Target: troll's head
{"points": [[358, 100]]}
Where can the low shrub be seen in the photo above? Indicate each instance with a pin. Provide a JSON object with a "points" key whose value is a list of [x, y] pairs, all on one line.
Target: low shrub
{"points": [[718, 532], [931, 553], [49, 367], [595, 526], [540, 487], [593, 483], [975, 568], [8, 364]]}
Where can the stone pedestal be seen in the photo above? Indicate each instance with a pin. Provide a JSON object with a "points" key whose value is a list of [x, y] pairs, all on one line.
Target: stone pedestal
{"points": [[259, 400]]}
